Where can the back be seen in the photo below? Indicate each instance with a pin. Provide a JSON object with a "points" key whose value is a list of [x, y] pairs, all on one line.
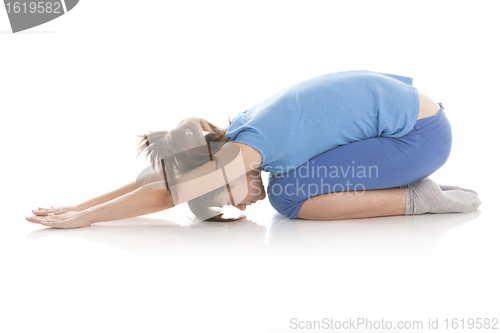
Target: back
{"points": [[324, 112]]}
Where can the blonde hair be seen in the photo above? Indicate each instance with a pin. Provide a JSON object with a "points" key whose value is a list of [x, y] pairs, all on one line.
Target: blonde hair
{"points": [[181, 139]]}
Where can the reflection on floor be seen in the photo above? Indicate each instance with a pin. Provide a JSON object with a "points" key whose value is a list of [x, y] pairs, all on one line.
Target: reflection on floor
{"points": [[340, 239]]}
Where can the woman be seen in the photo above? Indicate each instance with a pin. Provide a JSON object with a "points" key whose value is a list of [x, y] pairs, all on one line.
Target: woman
{"points": [[344, 145]]}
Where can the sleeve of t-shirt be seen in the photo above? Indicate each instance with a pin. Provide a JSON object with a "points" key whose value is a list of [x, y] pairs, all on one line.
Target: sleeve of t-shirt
{"points": [[251, 139], [404, 79]]}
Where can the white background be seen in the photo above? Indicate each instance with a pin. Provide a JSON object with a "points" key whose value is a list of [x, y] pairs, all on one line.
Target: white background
{"points": [[74, 92]]}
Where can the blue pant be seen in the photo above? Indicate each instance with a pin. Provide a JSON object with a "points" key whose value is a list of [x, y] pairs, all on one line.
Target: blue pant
{"points": [[374, 163]]}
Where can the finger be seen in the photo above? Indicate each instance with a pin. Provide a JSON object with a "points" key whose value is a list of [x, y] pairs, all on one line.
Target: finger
{"points": [[39, 213], [52, 218], [32, 219], [52, 208], [46, 223], [44, 212], [45, 209], [53, 224], [58, 212]]}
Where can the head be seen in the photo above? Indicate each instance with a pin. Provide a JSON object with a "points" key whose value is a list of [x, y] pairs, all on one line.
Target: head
{"points": [[250, 185], [190, 132]]}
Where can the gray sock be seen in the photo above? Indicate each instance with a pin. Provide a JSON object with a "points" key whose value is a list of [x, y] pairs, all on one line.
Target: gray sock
{"points": [[454, 188], [442, 187], [427, 197]]}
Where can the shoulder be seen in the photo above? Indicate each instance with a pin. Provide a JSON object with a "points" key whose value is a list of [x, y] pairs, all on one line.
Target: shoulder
{"points": [[251, 156]]}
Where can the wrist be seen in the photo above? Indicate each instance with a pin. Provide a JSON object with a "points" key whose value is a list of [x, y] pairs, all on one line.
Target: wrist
{"points": [[87, 215], [83, 206]]}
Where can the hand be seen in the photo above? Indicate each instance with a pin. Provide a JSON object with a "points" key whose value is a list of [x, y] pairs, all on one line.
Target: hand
{"points": [[58, 210], [66, 220]]}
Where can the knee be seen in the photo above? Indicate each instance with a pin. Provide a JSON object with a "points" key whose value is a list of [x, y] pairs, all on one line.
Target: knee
{"points": [[443, 140], [282, 201], [442, 144]]}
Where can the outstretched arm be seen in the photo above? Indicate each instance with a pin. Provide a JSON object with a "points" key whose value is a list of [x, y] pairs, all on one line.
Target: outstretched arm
{"points": [[136, 203], [132, 200], [151, 177], [89, 203]]}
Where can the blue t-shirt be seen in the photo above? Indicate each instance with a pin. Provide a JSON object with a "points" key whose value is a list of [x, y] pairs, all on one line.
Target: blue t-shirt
{"points": [[324, 112]]}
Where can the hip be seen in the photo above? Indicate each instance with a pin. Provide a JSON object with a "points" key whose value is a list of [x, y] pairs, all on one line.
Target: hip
{"points": [[428, 107]]}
